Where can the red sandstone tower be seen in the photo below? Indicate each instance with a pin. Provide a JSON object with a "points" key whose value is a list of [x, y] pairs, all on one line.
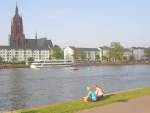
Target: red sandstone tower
{"points": [[17, 37]]}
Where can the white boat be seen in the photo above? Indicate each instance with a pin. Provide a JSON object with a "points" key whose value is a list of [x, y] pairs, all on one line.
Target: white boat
{"points": [[33, 66], [43, 64]]}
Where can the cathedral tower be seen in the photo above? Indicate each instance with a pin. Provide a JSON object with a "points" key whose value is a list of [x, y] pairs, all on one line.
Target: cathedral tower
{"points": [[17, 37]]}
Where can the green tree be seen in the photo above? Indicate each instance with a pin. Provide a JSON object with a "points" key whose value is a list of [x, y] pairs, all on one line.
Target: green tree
{"points": [[105, 58], [30, 59], [83, 56], [147, 53], [97, 57], [1, 60], [132, 58], [57, 52], [125, 58], [116, 51], [50, 57], [14, 60], [76, 54]]}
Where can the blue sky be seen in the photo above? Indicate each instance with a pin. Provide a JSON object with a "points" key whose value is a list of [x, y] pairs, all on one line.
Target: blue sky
{"points": [[84, 23]]}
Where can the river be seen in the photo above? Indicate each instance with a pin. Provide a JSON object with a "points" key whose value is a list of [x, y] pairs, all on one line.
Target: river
{"points": [[24, 88]]}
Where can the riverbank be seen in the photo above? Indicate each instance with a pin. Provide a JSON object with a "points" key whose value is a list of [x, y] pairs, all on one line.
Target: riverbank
{"points": [[9, 66], [81, 64], [111, 63], [78, 105]]}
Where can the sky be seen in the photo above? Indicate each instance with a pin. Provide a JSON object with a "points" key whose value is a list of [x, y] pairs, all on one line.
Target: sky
{"points": [[82, 23]]}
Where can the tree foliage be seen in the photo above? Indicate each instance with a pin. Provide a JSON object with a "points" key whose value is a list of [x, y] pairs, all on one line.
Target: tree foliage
{"points": [[132, 58], [147, 53], [97, 57], [116, 51], [76, 53], [105, 58], [57, 52], [82, 55], [14, 60], [1, 60], [30, 59]]}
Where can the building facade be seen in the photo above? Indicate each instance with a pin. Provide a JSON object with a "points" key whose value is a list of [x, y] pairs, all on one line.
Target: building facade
{"points": [[103, 52], [138, 53], [90, 54], [83, 54], [22, 55], [68, 54]]}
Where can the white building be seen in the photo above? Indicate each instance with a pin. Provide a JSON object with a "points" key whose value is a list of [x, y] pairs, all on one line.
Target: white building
{"points": [[21, 55], [138, 53], [68, 54], [86, 54], [103, 52]]}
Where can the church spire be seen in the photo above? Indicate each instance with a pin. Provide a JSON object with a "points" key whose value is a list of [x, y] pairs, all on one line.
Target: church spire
{"points": [[36, 36], [17, 35], [36, 39], [17, 12]]}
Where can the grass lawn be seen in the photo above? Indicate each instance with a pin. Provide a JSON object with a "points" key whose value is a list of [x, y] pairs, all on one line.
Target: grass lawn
{"points": [[78, 105]]}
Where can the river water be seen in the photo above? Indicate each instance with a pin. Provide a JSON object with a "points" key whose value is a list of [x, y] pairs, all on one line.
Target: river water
{"points": [[23, 88]]}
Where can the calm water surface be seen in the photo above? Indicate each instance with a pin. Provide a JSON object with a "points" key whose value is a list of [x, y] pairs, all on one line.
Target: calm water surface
{"points": [[23, 88]]}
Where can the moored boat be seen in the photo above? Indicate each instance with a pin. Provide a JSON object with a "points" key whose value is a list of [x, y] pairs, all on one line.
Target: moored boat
{"points": [[45, 64]]}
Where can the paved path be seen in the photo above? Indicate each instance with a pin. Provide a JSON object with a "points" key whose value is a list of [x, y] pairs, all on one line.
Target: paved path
{"points": [[139, 105]]}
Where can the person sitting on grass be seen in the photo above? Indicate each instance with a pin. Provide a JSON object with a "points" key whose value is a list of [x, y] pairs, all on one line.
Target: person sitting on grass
{"points": [[90, 96], [98, 92]]}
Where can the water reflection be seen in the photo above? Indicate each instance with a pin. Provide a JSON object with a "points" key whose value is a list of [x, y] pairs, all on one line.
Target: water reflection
{"points": [[17, 92]]}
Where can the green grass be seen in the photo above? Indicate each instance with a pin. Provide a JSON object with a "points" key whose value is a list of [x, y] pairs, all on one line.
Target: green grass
{"points": [[78, 105]]}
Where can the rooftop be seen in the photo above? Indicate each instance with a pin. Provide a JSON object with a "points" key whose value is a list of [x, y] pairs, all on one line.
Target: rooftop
{"points": [[84, 49]]}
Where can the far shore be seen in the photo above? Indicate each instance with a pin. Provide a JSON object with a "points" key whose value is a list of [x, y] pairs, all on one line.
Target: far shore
{"points": [[81, 64], [111, 63]]}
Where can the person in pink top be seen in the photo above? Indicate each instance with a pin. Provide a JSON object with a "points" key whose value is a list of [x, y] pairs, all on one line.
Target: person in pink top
{"points": [[98, 92]]}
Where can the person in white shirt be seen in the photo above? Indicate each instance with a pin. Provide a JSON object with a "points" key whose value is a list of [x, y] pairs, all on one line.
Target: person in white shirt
{"points": [[98, 92]]}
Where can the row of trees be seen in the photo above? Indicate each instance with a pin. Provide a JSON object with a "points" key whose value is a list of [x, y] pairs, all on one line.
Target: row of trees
{"points": [[57, 53], [1, 60], [14, 60], [147, 53], [115, 52]]}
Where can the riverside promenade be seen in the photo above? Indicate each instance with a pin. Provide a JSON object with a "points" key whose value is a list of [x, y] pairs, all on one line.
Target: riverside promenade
{"points": [[138, 105]]}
